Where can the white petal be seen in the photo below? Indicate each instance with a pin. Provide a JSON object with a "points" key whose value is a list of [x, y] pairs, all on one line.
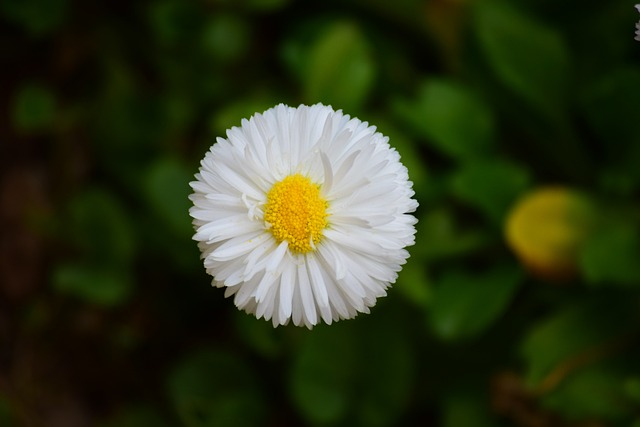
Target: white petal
{"points": [[317, 282], [245, 293], [276, 258], [328, 174], [232, 224], [238, 246], [306, 295], [287, 283], [258, 258], [297, 309], [267, 283], [357, 245], [266, 305], [329, 254]]}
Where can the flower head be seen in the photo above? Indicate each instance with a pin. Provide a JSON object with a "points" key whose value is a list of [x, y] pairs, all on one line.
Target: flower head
{"points": [[637, 37], [303, 214]]}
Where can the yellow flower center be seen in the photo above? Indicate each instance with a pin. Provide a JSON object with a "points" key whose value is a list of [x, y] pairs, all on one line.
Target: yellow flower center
{"points": [[296, 213]]}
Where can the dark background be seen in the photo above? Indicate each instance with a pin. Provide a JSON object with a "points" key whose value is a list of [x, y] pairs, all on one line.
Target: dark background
{"points": [[518, 121]]}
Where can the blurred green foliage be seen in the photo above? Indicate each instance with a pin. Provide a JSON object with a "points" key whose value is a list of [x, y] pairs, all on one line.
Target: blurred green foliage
{"points": [[108, 318], [34, 108]]}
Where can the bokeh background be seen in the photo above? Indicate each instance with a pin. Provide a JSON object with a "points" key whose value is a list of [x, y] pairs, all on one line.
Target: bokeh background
{"points": [[518, 121]]}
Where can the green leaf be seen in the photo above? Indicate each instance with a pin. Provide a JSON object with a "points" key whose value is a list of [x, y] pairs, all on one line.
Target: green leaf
{"points": [[632, 388], [216, 388], [37, 17], [34, 108], [451, 117], [340, 70], [445, 238], [611, 105], [129, 126], [95, 284], [610, 255], [260, 336], [100, 230], [175, 22], [226, 37], [528, 57], [414, 282], [386, 380], [323, 374], [594, 392], [167, 190], [465, 305], [467, 410], [575, 332], [6, 413], [100, 226], [491, 185]]}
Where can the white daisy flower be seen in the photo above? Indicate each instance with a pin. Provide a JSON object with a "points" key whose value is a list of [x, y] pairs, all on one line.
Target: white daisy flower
{"points": [[637, 37], [303, 214]]}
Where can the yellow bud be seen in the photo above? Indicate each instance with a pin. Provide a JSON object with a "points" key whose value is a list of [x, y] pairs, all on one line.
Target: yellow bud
{"points": [[546, 229]]}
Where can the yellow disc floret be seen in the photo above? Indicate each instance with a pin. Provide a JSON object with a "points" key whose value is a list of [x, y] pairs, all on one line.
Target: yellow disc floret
{"points": [[296, 212]]}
